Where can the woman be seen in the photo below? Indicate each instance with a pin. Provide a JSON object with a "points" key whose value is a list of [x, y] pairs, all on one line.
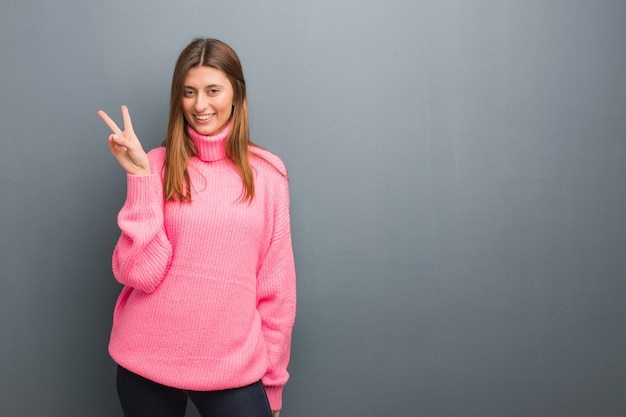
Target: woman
{"points": [[205, 254]]}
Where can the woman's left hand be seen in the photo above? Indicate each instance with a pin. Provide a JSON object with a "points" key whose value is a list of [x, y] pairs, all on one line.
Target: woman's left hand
{"points": [[276, 413]]}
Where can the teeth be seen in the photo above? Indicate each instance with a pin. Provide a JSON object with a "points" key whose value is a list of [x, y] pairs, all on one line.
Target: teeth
{"points": [[202, 117]]}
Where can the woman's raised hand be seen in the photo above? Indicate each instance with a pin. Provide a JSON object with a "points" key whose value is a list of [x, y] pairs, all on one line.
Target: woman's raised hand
{"points": [[125, 145]]}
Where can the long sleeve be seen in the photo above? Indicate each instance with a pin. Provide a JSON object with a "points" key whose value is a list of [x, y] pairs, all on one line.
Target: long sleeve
{"points": [[276, 299], [143, 252], [209, 302]]}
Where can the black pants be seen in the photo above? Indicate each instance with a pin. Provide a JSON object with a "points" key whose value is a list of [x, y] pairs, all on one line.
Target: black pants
{"points": [[141, 397]]}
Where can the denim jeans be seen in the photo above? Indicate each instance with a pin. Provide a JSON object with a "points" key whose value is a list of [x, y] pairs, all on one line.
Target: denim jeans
{"points": [[141, 397]]}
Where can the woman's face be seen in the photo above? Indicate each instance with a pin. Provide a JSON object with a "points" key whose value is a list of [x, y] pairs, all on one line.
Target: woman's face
{"points": [[207, 100]]}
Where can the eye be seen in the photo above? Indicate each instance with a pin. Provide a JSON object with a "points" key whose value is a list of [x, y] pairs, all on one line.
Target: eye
{"points": [[188, 93], [214, 91]]}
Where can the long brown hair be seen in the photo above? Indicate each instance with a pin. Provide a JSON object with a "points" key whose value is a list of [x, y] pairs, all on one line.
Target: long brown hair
{"points": [[179, 147]]}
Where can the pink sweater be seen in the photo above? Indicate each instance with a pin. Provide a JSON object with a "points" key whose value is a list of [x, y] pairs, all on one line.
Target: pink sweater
{"points": [[209, 286]]}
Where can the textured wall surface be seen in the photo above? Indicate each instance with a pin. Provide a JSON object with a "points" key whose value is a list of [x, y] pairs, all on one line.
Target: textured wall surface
{"points": [[458, 184]]}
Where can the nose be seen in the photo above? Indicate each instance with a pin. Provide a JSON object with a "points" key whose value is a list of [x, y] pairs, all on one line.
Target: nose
{"points": [[202, 102]]}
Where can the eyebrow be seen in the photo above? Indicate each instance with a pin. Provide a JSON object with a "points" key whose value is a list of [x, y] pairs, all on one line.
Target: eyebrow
{"points": [[208, 86]]}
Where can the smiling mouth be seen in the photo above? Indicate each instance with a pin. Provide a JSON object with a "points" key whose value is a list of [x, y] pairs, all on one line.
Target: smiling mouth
{"points": [[203, 117]]}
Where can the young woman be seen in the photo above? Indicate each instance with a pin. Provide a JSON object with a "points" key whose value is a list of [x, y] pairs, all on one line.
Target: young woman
{"points": [[205, 254]]}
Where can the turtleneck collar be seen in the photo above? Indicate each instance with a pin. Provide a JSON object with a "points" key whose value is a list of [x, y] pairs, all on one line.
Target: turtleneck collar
{"points": [[210, 148]]}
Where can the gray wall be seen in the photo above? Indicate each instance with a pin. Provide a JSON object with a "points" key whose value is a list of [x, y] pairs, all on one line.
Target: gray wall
{"points": [[458, 196]]}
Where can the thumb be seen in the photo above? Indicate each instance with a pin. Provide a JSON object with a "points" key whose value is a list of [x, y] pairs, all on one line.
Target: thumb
{"points": [[118, 140], [116, 143]]}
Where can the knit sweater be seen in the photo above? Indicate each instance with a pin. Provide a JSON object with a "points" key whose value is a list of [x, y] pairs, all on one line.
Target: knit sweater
{"points": [[209, 286]]}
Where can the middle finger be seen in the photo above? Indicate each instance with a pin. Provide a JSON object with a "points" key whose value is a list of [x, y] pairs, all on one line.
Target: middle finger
{"points": [[109, 122]]}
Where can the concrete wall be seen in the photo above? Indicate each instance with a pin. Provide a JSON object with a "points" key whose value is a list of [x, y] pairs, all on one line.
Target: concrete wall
{"points": [[458, 196]]}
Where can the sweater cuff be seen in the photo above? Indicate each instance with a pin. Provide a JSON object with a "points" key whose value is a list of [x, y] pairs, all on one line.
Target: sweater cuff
{"points": [[143, 189], [275, 397]]}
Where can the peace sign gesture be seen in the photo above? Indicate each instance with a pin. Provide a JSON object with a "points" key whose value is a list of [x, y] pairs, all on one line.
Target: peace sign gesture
{"points": [[125, 145]]}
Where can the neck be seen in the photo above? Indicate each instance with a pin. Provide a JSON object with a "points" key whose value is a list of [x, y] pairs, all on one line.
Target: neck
{"points": [[210, 148]]}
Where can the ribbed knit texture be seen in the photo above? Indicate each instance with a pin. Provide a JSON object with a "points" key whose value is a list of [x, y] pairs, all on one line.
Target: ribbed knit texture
{"points": [[209, 286]]}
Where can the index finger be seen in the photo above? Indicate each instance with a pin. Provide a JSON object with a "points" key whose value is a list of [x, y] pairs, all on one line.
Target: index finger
{"points": [[128, 125], [109, 122]]}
